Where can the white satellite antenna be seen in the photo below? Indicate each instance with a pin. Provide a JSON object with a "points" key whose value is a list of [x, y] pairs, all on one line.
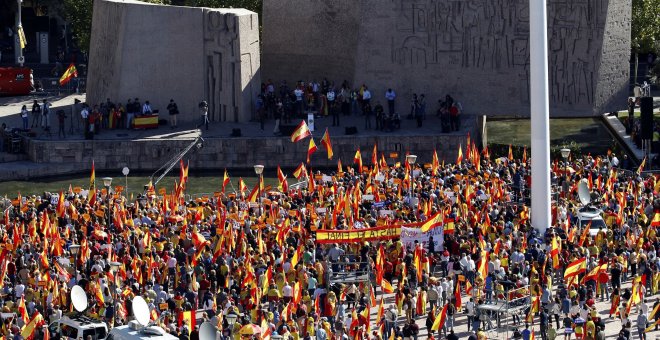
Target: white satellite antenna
{"points": [[78, 298], [583, 192], [207, 331], [141, 311]]}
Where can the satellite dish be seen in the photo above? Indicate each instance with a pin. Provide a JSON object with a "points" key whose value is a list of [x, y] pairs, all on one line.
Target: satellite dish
{"points": [[583, 191], [78, 298], [141, 310], [207, 331]]}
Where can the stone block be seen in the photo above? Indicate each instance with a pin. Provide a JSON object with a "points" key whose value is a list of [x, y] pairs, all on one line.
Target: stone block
{"points": [[477, 51], [139, 49]]}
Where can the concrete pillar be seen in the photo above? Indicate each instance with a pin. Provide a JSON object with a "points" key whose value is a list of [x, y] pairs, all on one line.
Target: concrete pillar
{"points": [[540, 115]]}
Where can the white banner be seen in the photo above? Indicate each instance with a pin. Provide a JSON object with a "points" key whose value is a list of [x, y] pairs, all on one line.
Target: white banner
{"points": [[410, 235]]}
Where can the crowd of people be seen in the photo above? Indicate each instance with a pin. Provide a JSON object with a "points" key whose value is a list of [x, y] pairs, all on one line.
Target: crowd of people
{"points": [[259, 262], [326, 99]]}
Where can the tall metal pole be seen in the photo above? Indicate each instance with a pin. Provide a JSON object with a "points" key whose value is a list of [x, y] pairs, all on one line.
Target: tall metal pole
{"points": [[17, 44], [540, 115]]}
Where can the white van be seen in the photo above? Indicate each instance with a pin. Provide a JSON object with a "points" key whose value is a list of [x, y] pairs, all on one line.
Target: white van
{"points": [[589, 215], [77, 327], [134, 331]]}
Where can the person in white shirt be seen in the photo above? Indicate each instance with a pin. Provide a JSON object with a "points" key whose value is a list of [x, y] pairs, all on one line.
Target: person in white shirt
{"points": [[390, 95], [366, 96], [146, 108], [287, 292], [469, 309]]}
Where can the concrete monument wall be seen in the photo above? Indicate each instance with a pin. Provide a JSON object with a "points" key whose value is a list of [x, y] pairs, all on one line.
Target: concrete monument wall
{"points": [[475, 50], [158, 53]]}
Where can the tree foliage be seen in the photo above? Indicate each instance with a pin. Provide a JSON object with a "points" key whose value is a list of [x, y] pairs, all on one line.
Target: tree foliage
{"points": [[645, 26], [79, 13]]}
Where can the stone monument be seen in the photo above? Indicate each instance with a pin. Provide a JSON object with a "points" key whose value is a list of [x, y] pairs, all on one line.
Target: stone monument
{"points": [[158, 52], [475, 50]]}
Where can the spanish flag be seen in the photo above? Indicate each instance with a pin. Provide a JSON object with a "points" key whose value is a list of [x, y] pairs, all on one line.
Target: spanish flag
{"points": [[459, 158], [28, 330], [386, 286], [357, 159], [187, 318], [325, 141], [300, 171], [576, 267], [440, 319], [68, 74], [311, 149], [60, 206], [433, 222], [225, 180], [656, 220], [301, 132], [92, 186], [555, 253]]}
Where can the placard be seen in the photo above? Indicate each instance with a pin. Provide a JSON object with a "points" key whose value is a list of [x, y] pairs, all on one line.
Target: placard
{"points": [[410, 235], [358, 235]]}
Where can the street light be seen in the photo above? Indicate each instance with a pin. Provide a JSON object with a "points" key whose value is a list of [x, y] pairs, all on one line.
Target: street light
{"points": [[74, 248], [19, 34], [259, 170], [114, 266], [231, 320], [565, 152], [125, 172], [411, 159]]}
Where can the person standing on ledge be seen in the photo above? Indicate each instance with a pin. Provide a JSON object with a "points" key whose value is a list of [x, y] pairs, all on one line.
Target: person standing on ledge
{"points": [[390, 95], [204, 110], [173, 110]]}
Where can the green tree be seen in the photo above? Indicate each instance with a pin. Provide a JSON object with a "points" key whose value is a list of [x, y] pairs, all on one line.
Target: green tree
{"points": [[79, 13], [645, 28]]}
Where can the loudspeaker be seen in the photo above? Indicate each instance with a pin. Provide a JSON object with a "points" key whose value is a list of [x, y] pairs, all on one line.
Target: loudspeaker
{"points": [[287, 130], [646, 108], [235, 133], [351, 130]]}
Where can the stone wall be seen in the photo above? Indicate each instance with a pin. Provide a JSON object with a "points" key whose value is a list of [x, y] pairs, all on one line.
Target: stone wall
{"points": [[158, 53], [476, 50], [54, 157]]}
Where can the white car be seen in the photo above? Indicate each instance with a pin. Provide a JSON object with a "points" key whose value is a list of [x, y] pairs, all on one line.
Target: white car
{"points": [[134, 331], [593, 218], [78, 327]]}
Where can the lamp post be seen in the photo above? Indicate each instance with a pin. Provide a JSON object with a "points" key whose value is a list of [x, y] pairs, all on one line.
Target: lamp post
{"points": [[74, 248], [107, 182], [565, 152], [259, 170], [19, 31], [114, 266], [125, 172], [411, 159], [231, 320]]}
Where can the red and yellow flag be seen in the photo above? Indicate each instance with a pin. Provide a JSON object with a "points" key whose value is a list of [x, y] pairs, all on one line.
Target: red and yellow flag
{"points": [[70, 72], [225, 180], [357, 159], [576, 267], [433, 222], [311, 149], [386, 286], [327, 144], [440, 319], [459, 158], [301, 132]]}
